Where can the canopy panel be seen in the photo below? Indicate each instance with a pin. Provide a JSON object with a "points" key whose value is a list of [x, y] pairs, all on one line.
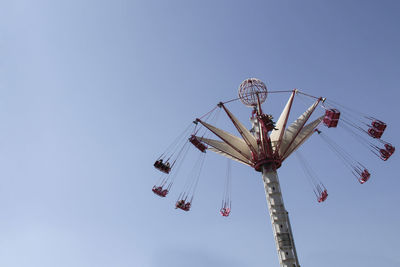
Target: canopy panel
{"points": [[234, 142], [227, 155], [222, 147], [305, 133], [277, 133], [294, 129], [244, 132]]}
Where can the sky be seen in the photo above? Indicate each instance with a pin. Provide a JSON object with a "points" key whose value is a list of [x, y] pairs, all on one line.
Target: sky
{"points": [[92, 92]]}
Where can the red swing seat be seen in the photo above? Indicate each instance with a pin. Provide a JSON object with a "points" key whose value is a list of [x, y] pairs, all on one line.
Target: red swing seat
{"points": [[225, 212], [161, 166], [197, 143], [365, 175], [181, 204], [323, 196], [385, 155], [375, 133], [331, 118], [159, 191], [378, 125], [389, 148]]}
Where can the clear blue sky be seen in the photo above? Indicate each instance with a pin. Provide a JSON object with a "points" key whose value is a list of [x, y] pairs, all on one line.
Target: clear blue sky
{"points": [[92, 91]]}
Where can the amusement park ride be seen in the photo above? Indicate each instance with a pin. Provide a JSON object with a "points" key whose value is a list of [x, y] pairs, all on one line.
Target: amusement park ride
{"points": [[265, 147]]}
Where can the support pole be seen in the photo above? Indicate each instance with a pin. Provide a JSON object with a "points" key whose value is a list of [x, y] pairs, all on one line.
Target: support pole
{"points": [[279, 218]]}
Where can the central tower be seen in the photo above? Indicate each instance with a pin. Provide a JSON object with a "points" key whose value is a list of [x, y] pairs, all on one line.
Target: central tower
{"points": [[253, 92]]}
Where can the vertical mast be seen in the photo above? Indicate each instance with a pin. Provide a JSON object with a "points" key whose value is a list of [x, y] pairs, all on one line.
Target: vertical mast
{"points": [[279, 216]]}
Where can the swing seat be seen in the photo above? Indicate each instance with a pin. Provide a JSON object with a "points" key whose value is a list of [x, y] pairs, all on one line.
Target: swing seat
{"points": [[164, 192], [330, 123], [385, 155], [389, 148], [163, 167], [365, 175], [159, 191], [374, 133], [180, 204], [225, 212], [158, 163], [187, 206], [332, 114], [197, 143], [378, 125], [323, 196], [331, 118]]}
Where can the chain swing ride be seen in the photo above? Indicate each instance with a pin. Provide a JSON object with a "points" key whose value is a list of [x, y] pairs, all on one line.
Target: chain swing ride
{"points": [[265, 147]]}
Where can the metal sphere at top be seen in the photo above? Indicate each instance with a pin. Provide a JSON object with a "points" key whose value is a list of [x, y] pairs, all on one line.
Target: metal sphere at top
{"points": [[249, 89]]}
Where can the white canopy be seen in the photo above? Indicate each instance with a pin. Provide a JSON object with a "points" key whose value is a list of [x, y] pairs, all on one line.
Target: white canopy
{"points": [[304, 134], [294, 129], [284, 140], [234, 142], [247, 136], [224, 149], [280, 126]]}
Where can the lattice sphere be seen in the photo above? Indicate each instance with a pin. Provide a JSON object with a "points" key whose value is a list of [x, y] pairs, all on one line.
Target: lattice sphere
{"points": [[249, 89]]}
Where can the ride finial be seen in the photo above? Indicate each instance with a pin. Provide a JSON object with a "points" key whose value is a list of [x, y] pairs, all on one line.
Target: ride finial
{"points": [[249, 89]]}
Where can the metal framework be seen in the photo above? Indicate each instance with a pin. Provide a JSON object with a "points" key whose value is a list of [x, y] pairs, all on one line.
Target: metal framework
{"points": [[264, 148], [249, 89]]}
